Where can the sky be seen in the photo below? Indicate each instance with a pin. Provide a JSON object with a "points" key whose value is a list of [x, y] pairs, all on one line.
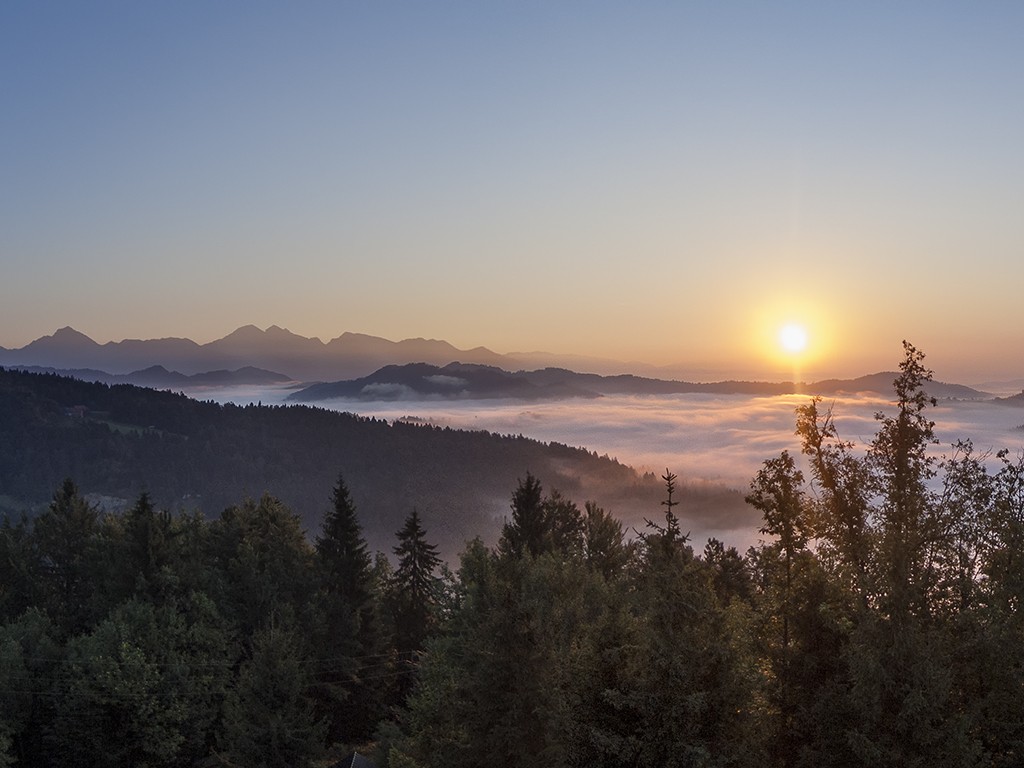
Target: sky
{"points": [[662, 182]]}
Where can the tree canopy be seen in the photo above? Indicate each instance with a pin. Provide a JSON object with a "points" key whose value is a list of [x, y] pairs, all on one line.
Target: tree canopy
{"points": [[877, 623]]}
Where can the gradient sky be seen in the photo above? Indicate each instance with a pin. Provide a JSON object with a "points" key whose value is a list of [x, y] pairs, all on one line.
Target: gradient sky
{"points": [[664, 182]]}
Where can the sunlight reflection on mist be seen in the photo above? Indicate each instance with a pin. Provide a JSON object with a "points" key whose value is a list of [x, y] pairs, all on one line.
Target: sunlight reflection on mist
{"points": [[715, 438]]}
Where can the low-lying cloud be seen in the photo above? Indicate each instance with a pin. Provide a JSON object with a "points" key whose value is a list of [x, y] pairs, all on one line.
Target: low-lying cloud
{"points": [[705, 439]]}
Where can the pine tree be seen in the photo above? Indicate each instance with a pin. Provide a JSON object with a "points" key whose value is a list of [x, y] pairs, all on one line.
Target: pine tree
{"points": [[525, 533], [63, 536], [341, 550], [414, 595], [349, 633], [268, 718], [541, 524]]}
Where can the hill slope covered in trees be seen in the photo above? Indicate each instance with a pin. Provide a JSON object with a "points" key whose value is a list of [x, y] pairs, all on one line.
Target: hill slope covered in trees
{"points": [[879, 625], [117, 441]]}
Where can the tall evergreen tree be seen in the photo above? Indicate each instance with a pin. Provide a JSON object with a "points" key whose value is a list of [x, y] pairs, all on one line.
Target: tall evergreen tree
{"points": [[525, 533], [348, 634], [415, 587], [269, 720], [341, 550], [63, 537], [541, 524]]}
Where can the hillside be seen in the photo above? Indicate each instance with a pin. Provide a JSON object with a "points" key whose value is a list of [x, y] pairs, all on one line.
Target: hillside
{"points": [[116, 441], [158, 377], [463, 381]]}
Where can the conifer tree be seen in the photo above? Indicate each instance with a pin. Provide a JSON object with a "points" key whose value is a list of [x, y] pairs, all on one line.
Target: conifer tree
{"points": [[414, 595], [348, 634], [541, 524], [524, 534], [341, 550], [268, 717], [63, 536]]}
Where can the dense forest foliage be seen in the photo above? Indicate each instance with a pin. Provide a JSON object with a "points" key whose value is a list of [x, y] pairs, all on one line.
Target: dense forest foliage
{"points": [[120, 440], [878, 624]]}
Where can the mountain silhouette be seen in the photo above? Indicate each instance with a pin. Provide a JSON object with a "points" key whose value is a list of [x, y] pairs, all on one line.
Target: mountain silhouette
{"points": [[459, 381], [352, 363], [275, 349]]}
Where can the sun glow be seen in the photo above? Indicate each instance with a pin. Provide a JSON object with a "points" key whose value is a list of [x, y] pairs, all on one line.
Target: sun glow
{"points": [[793, 338]]}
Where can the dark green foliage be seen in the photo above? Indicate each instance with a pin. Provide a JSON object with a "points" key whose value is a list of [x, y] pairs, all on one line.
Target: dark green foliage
{"points": [[65, 548], [603, 545], [125, 692], [541, 524], [341, 550], [269, 718], [498, 686], [29, 664], [17, 563], [878, 624], [200, 455], [413, 597], [264, 564], [349, 631]]}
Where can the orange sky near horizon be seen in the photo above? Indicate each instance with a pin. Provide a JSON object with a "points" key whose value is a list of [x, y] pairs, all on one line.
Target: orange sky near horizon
{"points": [[660, 183]]}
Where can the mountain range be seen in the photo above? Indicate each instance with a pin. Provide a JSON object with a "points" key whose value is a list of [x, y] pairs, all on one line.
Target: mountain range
{"points": [[362, 367], [349, 355], [158, 377], [460, 381]]}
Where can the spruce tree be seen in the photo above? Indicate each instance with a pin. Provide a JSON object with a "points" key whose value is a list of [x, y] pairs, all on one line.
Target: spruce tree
{"points": [[268, 717], [541, 524], [349, 634], [525, 533], [64, 541], [415, 591], [340, 547]]}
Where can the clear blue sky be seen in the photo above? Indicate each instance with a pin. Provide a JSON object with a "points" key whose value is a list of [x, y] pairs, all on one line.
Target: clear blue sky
{"points": [[665, 182]]}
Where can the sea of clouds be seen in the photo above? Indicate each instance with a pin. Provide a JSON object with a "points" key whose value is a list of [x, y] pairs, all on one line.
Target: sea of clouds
{"points": [[702, 438]]}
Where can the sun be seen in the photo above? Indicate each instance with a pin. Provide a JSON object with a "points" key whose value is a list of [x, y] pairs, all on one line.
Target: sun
{"points": [[793, 338]]}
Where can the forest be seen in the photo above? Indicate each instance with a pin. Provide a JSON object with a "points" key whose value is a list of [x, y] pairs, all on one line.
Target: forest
{"points": [[877, 623], [118, 441]]}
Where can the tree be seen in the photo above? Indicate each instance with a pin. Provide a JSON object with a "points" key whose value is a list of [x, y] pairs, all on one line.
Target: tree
{"points": [[784, 568], [414, 595], [63, 537], [341, 550], [540, 524], [525, 533], [269, 719], [882, 528], [687, 694], [29, 663], [502, 684], [777, 492], [908, 516], [17, 565], [603, 546], [348, 632], [840, 513], [665, 541], [266, 563], [145, 687]]}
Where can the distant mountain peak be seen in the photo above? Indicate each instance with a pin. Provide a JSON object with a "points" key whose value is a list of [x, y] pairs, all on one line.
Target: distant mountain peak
{"points": [[67, 333], [245, 331], [66, 338]]}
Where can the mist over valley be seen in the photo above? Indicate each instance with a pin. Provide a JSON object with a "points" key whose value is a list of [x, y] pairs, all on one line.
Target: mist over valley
{"points": [[714, 435]]}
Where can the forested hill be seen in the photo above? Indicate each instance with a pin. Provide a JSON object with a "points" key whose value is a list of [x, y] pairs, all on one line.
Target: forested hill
{"points": [[475, 382], [119, 440]]}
